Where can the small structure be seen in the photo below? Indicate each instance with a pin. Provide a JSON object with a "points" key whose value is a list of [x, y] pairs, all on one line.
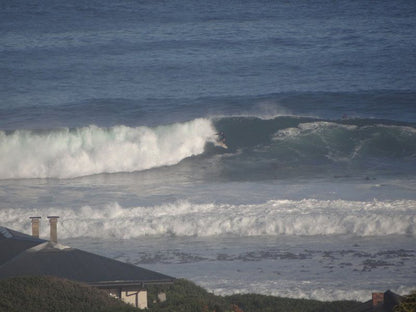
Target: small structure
{"points": [[21, 254], [161, 297], [35, 226], [53, 222], [380, 302]]}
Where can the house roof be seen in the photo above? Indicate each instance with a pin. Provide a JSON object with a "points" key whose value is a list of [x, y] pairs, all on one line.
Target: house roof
{"points": [[47, 258], [363, 307], [390, 300], [13, 243]]}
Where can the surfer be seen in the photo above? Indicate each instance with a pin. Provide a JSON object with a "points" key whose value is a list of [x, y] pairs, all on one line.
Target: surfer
{"points": [[221, 139]]}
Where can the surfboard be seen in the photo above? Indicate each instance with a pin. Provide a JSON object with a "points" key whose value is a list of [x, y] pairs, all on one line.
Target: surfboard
{"points": [[222, 144]]}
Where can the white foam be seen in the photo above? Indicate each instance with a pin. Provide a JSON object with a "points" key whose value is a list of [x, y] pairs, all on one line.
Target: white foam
{"points": [[310, 127], [92, 150], [297, 289], [324, 125], [273, 218]]}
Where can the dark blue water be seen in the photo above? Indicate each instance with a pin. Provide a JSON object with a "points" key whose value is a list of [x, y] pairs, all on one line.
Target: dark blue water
{"points": [[118, 112], [146, 57]]}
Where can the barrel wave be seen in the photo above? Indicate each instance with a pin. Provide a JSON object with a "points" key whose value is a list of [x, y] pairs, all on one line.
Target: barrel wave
{"points": [[371, 136], [69, 153], [289, 146]]}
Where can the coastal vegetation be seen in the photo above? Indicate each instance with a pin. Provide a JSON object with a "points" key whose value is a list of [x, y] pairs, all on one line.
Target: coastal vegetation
{"points": [[185, 296], [408, 304], [47, 294], [53, 294]]}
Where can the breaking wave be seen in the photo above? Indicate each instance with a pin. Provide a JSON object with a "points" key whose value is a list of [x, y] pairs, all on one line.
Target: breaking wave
{"points": [[284, 146], [307, 217], [68, 153]]}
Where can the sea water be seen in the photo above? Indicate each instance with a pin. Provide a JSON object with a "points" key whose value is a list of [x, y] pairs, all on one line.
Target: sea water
{"points": [[114, 116]]}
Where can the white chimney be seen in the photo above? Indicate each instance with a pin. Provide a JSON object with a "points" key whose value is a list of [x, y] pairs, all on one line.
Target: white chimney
{"points": [[53, 221], [35, 226]]}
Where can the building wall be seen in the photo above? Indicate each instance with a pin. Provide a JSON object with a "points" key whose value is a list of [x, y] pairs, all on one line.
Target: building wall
{"points": [[142, 299], [137, 298], [161, 296]]}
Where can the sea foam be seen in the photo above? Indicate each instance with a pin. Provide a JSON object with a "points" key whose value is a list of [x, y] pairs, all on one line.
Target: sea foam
{"points": [[69, 153], [306, 217]]}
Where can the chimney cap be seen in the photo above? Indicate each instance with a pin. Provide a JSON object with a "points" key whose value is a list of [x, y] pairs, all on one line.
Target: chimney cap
{"points": [[35, 217], [53, 217]]}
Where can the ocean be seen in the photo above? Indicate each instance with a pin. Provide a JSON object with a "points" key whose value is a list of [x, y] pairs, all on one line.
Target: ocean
{"points": [[248, 146]]}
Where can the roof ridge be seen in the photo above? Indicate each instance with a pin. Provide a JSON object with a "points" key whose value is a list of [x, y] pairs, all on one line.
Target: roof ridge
{"points": [[49, 258], [5, 232], [47, 244]]}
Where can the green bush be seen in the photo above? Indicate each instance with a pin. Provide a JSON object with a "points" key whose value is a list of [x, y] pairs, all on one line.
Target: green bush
{"points": [[185, 296], [54, 294], [254, 303], [408, 304]]}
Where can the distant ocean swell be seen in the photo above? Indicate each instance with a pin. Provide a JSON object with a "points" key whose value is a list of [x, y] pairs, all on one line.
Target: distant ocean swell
{"points": [[307, 217], [284, 142]]}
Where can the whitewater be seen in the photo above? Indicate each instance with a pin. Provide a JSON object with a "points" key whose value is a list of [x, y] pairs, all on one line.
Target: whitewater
{"points": [[265, 147], [307, 217], [67, 153], [305, 208]]}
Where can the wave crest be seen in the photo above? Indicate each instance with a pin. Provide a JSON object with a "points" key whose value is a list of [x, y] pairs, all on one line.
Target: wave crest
{"points": [[91, 150]]}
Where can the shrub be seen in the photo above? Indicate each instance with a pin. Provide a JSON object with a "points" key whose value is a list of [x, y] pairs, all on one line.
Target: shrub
{"points": [[43, 293], [408, 304]]}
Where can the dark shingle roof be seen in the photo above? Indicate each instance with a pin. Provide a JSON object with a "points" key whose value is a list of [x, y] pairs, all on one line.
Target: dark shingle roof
{"points": [[363, 307], [13, 243], [47, 258]]}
